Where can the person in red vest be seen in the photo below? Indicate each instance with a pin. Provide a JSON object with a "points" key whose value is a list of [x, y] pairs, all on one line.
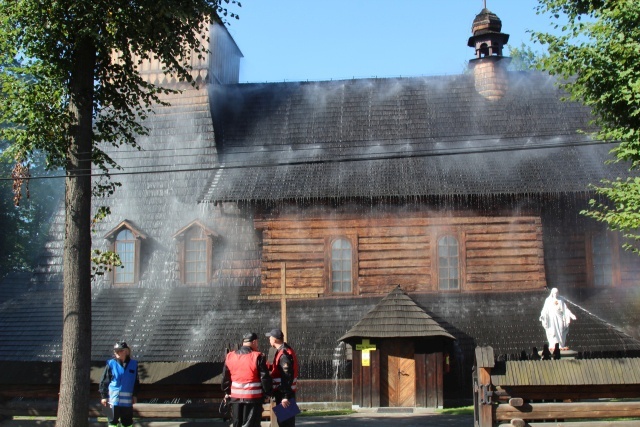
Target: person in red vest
{"points": [[246, 382], [284, 371]]}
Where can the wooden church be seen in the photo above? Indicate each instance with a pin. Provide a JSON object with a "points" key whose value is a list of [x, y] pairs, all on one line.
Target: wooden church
{"points": [[390, 226]]}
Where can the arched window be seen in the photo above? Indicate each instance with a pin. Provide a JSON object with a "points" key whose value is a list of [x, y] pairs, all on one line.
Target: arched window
{"points": [[448, 263], [125, 247], [341, 266]]}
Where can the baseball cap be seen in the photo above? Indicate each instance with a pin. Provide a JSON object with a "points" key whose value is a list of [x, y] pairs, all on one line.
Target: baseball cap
{"points": [[250, 336], [276, 333]]}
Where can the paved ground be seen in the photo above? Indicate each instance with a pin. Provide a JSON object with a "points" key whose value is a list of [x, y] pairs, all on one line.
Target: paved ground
{"points": [[353, 420]]}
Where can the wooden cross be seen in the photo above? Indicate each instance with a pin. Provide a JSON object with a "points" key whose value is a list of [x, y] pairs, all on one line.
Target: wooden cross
{"points": [[366, 348], [283, 296]]}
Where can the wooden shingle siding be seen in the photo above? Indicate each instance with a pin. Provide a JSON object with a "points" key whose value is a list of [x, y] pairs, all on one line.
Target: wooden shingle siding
{"points": [[496, 253], [569, 372]]}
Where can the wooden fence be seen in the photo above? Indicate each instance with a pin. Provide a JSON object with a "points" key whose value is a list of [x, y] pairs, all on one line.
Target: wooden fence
{"points": [[203, 400], [569, 392]]}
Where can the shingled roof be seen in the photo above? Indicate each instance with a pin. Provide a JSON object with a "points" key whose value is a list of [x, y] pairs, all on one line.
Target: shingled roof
{"points": [[428, 136], [396, 316], [189, 324]]}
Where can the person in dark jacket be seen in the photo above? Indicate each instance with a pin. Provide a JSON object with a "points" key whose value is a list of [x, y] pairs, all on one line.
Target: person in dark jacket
{"points": [[246, 382], [119, 386], [284, 371]]}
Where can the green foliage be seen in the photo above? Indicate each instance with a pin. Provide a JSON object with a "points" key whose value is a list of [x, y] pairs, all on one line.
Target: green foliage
{"points": [[524, 58], [597, 58], [70, 85], [48, 33], [620, 210], [104, 262], [25, 227]]}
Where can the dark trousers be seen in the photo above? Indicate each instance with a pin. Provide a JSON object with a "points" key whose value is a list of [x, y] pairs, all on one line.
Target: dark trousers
{"points": [[291, 422], [124, 414], [247, 413]]}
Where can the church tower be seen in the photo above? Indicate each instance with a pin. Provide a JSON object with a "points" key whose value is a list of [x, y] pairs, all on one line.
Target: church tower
{"points": [[489, 66], [219, 63]]}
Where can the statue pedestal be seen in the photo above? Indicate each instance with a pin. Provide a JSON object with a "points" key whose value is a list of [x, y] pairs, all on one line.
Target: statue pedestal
{"points": [[564, 354]]}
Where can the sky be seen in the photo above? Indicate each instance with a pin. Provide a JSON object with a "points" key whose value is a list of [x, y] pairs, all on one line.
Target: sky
{"points": [[300, 40]]}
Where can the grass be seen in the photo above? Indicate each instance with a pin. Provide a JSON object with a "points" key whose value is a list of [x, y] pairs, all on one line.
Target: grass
{"points": [[325, 413], [463, 410], [34, 417]]}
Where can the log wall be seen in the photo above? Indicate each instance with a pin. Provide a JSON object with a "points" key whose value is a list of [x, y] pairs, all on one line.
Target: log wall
{"points": [[496, 253], [569, 256]]}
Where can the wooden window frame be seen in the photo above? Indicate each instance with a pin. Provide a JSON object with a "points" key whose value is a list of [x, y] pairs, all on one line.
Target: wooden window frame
{"points": [[181, 246], [614, 239], [353, 240], [459, 235], [138, 236]]}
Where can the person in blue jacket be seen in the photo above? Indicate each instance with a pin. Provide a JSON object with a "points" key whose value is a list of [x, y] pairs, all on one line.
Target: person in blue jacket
{"points": [[119, 386]]}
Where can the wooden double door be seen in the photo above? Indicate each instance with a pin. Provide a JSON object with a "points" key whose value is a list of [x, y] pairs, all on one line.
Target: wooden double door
{"points": [[397, 373]]}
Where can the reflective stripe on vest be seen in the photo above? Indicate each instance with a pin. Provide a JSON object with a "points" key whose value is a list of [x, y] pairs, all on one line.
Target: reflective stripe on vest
{"points": [[123, 380], [275, 372], [246, 390], [245, 379]]}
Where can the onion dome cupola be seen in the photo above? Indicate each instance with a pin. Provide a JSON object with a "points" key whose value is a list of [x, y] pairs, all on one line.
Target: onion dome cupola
{"points": [[489, 66], [487, 38]]}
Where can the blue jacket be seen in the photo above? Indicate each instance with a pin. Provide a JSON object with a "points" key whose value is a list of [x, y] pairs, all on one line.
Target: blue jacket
{"points": [[120, 382]]}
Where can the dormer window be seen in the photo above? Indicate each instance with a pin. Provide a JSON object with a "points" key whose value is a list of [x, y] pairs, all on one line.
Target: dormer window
{"points": [[125, 241], [126, 250], [195, 252]]}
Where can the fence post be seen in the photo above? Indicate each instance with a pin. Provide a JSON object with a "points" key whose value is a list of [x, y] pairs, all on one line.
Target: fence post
{"points": [[483, 394]]}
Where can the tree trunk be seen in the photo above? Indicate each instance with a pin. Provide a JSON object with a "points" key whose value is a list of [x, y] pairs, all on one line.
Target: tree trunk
{"points": [[73, 402]]}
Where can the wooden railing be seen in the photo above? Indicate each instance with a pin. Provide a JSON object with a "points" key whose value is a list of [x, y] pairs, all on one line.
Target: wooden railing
{"points": [[41, 400], [574, 393], [43, 408]]}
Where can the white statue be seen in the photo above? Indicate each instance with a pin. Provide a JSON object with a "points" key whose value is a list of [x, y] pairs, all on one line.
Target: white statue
{"points": [[555, 318]]}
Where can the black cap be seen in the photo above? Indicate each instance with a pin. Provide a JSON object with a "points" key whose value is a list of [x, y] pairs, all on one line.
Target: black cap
{"points": [[248, 337], [120, 345], [276, 333]]}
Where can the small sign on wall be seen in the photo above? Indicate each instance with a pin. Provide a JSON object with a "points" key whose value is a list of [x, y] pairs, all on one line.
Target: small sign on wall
{"points": [[366, 358], [366, 349]]}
